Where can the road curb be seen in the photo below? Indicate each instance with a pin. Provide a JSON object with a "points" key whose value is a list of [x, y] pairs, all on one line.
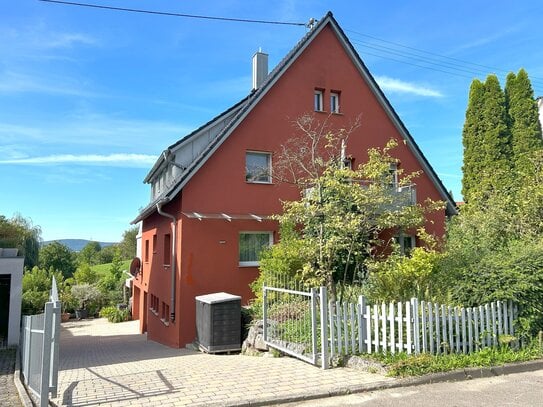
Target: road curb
{"points": [[453, 376], [21, 389]]}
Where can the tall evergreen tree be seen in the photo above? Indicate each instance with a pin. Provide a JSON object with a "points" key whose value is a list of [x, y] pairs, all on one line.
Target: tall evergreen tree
{"points": [[487, 149], [496, 165], [472, 139], [523, 119]]}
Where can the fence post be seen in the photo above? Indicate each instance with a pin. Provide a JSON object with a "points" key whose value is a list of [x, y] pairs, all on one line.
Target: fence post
{"points": [[416, 328], [362, 346], [408, 328], [314, 323], [46, 355], [265, 313], [324, 327], [332, 321], [53, 382]]}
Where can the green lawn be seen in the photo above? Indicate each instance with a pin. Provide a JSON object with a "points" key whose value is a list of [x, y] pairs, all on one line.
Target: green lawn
{"points": [[103, 269]]}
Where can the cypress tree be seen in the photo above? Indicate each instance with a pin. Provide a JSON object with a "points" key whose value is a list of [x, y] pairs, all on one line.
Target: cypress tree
{"points": [[523, 118], [487, 150], [472, 138], [496, 165]]}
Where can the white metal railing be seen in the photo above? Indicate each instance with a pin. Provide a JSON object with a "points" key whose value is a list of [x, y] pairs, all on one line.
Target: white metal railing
{"points": [[40, 349]]}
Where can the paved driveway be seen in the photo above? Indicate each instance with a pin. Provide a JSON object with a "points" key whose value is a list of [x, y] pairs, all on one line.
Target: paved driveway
{"points": [[111, 364]]}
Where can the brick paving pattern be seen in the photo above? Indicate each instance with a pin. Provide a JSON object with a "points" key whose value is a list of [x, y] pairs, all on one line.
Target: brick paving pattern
{"points": [[8, 392], [111, 365]]}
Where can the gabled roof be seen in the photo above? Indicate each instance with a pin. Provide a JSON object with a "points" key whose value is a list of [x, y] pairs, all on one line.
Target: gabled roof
{"points": [[246, 106]]}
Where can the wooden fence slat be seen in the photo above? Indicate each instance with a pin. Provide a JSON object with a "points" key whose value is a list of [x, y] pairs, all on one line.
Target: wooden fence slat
{"points": [[400, 327], [457, 328], [383, 319], [376, 325], [499, 311], [423, 326], [361, 324], [431, 326], [338, 328], [392, 342], [438, 329], [352, 316], [408, 327], [446, 345], [505, 319], [464, 342], [416, 321], [368, 328], [494, 331], [451, 329], [487, 327], [470, 330], [344, 314], [476, 328]]}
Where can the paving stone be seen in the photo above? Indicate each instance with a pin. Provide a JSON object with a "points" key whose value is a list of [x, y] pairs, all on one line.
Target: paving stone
{"points": [[113, 365], [9, 395]]}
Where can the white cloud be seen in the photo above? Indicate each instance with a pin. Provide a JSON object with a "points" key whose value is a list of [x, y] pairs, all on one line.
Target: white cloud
{"points": [[68, 40], [106, 160], [399, 86]]}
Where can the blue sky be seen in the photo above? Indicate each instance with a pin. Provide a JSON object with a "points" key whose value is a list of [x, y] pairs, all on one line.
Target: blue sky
{"points": [[89, 98]]}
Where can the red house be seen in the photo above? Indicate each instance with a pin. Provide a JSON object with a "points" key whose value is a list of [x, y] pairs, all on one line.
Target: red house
{"points": [[207, 202]]}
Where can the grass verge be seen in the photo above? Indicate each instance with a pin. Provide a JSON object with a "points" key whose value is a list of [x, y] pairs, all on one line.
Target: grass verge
{"points": [[403, 365]]}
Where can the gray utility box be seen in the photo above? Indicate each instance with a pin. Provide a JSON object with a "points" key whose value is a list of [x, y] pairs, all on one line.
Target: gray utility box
{"points": [[218, 322]]}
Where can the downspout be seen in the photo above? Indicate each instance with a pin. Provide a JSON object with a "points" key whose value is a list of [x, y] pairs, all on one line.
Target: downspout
{"points": [[174, 260]]}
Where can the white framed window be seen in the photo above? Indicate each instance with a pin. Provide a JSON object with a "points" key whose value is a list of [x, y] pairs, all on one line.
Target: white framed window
{"points": [[334, 102], [393, 171], [406, 242], [317, 102], [251, 245], [258, 167]]}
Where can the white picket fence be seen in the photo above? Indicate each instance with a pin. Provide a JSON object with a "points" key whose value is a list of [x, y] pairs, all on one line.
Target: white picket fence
{"points": [[417, 326]]}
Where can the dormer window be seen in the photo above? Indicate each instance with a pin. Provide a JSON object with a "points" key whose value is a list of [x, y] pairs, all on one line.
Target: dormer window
{"points": [[258, 167], [334, 102], [318, 104]]}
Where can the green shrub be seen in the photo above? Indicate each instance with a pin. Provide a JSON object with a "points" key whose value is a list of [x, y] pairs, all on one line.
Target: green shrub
{"points": [[113, 314], [400, 278]]}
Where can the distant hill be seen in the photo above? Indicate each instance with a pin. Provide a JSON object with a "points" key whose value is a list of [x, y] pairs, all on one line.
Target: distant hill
{"points": [[76, 244]]}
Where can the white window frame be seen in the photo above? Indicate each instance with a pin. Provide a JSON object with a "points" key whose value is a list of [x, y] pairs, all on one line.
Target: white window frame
{"points": [[265, 153], [334, 105], [253, 232], [318, 102], [400, 239]]}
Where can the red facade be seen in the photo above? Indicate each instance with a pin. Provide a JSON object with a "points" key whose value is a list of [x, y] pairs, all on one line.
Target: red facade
{"points": [[207, 253]]}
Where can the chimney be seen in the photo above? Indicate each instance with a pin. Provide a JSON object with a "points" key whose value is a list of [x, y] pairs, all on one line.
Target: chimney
{"points": [[260, 68]]}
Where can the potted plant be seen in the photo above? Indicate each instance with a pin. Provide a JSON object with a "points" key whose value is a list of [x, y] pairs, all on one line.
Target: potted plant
{"points": [[84, 295]]}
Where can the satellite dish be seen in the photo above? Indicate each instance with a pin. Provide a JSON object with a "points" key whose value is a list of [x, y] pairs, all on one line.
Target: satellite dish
{"points": [[135, 266]]}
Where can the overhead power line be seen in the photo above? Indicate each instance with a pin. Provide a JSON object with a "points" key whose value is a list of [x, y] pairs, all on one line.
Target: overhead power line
{"points": [[164, 13], [427, 57]]}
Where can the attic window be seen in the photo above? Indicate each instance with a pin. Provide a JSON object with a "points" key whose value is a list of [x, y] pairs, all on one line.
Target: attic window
{"points": [[318, 105], [258, 167]]}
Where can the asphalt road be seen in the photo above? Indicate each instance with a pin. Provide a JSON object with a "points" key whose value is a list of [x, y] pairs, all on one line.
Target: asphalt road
{"points": [[521, 389]]}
